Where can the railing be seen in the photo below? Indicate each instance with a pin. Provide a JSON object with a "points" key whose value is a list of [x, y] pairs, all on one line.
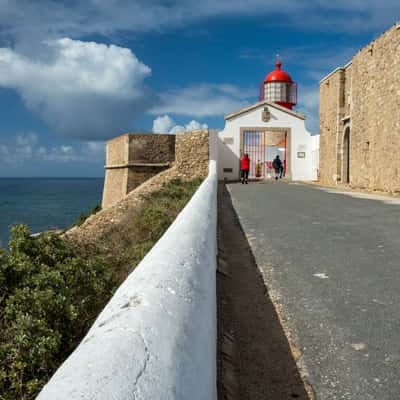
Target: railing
{"points": [[156, 338]]}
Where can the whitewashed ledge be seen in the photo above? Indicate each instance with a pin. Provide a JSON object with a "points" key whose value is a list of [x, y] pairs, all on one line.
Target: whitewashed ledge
{"points": [[156, 338]]}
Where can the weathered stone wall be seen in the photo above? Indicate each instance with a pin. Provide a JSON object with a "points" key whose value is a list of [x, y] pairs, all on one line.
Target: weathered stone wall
{"points": [[371, 99], [115, 179], [375, 135], [131, 159], [141, 173], [329, 124], [347, 90], [151, 148], [192, 154], [134, 158]]}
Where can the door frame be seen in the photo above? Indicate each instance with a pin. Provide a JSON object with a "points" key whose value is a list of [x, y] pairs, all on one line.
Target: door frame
{"points": [[288, 153], [346, 154]]}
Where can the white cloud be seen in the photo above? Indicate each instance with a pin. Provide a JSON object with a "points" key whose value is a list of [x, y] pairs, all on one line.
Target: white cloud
{"points": [[82, 89], [42, 18], [165, 124], [204, 100], [309, 106], [27, 139], [26, 148]]}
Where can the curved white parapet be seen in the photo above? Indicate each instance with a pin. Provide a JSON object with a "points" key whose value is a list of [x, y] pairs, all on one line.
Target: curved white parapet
{"points": [[156, 338]]}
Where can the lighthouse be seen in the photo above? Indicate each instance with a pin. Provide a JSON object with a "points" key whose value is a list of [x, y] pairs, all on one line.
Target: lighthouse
{"points": [[278, 87], [266, 129]]}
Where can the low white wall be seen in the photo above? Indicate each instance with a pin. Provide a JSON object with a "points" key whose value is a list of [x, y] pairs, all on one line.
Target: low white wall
{"points": [[156, 338]]}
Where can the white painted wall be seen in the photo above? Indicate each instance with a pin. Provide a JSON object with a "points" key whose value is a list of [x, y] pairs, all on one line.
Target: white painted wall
{"points": [[213, 144], [229, 154], [315, 156], [156, 338]]}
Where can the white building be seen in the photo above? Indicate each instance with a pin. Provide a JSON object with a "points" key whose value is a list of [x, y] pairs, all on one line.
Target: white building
{"points": [[266, 129]]}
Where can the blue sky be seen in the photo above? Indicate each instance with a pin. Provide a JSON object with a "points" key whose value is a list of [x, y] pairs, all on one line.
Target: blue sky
{"points": [[74, 74]]}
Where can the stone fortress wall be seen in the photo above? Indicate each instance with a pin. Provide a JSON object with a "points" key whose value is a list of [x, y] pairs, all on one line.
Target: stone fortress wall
{"points": [[133, 158], [363, 98]]}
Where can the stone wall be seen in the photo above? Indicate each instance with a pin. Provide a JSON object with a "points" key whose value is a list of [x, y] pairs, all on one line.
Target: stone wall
{"points": [[131, 159], [151, 148], [365, 97], [192, 154], [329, 110]]}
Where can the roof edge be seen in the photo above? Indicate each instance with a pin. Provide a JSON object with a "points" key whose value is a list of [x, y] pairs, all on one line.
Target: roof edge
{"points": [[261, 103]]}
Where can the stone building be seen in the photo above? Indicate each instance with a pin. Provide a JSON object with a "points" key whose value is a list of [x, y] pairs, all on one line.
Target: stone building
{"points": [[133, 158], [360, 118]]}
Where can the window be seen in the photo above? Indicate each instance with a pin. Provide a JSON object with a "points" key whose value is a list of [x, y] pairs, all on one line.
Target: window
{"points": [[276, 91]]}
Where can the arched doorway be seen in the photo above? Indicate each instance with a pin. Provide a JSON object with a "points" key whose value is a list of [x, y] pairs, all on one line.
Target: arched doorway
{"points": [[346, 156]]}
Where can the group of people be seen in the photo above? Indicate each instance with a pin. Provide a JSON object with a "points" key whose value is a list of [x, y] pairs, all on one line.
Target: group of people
{"points": [[245, 168]]}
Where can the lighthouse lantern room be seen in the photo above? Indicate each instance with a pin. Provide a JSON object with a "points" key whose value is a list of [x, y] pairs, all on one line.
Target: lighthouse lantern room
{"points": [[278, 87]]}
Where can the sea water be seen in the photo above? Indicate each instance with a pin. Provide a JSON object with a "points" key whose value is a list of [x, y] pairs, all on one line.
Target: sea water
{"points": [[45, 203]]}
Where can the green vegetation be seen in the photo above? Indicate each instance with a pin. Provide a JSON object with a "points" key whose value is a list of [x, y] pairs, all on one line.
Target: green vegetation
{"points": [[156, 216], [49, 299], [51, 290], [83, 216]]}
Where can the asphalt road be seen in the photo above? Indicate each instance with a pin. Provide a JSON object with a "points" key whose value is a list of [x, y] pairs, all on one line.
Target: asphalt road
{"points": [[331, 264]]}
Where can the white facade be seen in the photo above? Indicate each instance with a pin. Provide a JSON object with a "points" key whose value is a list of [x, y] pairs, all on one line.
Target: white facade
{"points": [[300, 143], [315, 156]]}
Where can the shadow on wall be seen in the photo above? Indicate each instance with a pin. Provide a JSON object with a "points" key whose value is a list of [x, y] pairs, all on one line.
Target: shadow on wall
{"points": [[264, 366], [228, 162]]}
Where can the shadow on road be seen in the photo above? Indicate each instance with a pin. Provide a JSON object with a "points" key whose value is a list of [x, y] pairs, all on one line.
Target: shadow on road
{"points": [[254, 356]]}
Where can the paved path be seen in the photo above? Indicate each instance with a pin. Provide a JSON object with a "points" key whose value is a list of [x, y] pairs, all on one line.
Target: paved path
{"points": [[255, 359], [332, 262]]}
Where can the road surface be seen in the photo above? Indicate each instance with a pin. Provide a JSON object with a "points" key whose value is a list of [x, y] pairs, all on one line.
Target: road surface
{"points": [[331, 264]]}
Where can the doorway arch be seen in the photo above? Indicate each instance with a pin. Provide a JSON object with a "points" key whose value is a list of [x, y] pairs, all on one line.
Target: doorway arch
{"points": [[346, 156]]}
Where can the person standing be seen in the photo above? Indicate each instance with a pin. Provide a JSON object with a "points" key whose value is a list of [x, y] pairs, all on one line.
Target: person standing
{"points": [[245, 167], [282, 170], [277, 164]]}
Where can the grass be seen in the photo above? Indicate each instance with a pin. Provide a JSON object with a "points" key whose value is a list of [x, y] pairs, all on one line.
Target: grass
{"points": [[160, 210]]}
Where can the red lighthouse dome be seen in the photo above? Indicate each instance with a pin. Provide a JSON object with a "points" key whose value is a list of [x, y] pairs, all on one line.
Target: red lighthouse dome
{"points": [[278, 87], [278, 75]]}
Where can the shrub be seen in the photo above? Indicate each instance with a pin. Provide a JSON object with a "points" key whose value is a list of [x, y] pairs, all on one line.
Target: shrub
{"points": [[49, 297]]}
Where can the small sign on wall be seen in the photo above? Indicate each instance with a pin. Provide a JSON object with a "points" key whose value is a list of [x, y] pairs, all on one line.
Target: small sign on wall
{"points": [[301, 154], [228, 170], [228, 140]]}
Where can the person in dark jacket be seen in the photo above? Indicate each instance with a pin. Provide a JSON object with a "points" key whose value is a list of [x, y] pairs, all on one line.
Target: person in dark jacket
{"points": [[277, 164], [245, 167]]}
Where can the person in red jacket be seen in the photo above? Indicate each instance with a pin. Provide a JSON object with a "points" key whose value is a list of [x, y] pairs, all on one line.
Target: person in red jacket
{"points": [[245, 166]]}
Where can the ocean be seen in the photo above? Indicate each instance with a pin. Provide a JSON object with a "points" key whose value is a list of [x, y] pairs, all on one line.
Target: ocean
{"points": [[45, 203]]}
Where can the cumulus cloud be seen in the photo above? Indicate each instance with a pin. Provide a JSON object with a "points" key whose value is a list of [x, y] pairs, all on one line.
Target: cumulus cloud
{"points": [[81, 89], [26, 147], [204, 100], [165, 124]]}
